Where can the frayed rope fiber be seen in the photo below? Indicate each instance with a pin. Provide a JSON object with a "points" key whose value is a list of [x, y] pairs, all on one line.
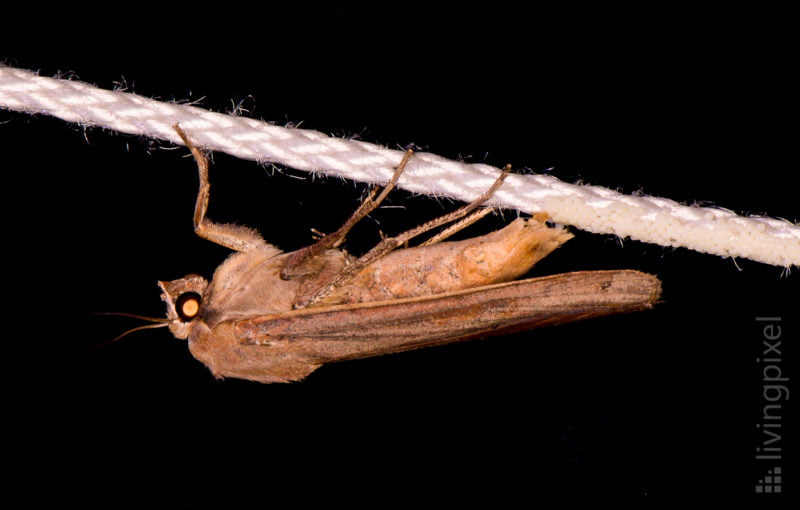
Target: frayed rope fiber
{"points": [[592, 208]]}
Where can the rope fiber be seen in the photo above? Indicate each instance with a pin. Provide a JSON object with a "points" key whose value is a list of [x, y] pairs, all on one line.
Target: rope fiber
{"points": [[592, 208]]}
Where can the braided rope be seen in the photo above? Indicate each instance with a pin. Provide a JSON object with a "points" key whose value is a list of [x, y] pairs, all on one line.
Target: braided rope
{"points": [[592, 208]]}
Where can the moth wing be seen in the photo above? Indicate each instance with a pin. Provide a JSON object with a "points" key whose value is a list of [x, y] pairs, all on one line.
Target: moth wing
{"points": [[341, 332]]}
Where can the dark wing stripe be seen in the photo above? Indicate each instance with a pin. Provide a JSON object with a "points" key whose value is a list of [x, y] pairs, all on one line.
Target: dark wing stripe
{"points": [[370, 329]]}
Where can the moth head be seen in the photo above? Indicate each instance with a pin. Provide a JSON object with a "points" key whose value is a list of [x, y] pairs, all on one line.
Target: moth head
{"points": [[184, 298]]}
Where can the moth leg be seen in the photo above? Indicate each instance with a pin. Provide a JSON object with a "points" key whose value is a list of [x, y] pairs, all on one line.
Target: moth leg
{"points": [[390, 243], [459, 226], [231, 236], [300, 258], [469, 220]]}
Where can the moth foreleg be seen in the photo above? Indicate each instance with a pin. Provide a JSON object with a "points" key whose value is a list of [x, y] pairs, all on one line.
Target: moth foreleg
{"points": [[235, 237], [300, 258]]}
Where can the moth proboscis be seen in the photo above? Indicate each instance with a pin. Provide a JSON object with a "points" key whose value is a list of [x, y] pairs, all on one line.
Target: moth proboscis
{"points": [[271, 316]]}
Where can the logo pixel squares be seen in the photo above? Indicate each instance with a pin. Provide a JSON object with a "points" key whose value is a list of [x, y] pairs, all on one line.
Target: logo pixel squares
{"points": [[771, 483]]}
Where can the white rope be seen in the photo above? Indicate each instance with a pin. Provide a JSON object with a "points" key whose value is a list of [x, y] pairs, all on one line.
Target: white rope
{"points": [[592, 208]]}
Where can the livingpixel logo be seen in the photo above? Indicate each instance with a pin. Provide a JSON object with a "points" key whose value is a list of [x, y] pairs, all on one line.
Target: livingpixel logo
{"points": [[774, 395]]}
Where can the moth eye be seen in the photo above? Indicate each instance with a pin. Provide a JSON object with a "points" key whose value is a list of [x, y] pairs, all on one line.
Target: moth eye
{"points": [[188, 306]]}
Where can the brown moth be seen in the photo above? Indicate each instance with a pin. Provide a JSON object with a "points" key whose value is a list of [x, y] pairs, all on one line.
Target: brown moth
{"points": [[271, 316]]}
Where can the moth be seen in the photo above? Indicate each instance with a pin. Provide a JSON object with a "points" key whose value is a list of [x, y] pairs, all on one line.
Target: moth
{"points": [[271, 316]]}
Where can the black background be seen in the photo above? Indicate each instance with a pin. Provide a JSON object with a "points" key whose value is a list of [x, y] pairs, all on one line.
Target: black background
{"points": [[700, 108]]}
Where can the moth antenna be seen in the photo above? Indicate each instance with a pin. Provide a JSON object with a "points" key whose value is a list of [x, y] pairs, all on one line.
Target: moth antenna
{"points": [[138, 328], [134, 316], [160, 322]]}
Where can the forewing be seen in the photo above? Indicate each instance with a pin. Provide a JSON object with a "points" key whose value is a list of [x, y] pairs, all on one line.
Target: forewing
{"points": [[370, 329]]}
